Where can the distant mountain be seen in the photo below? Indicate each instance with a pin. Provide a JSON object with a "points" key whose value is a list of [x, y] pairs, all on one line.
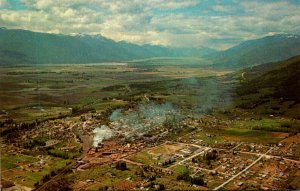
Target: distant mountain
{"points": [[254, 52], [22, 46]]}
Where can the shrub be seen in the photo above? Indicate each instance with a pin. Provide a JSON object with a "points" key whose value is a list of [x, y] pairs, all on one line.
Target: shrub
{"points": [[121, 165]]}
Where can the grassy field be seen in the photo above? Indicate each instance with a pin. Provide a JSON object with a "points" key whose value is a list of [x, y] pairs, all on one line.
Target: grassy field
{"points": [[27, 170], [238, 134], [10, 161], [43, 91], [161, 153], [29, 178], [102, 177]]}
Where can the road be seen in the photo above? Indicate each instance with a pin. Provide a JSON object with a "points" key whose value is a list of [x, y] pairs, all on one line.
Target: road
{"points": [[271, 156], [131, 162], [238, 174], [236, 147], [198, 169], [60, 173], [188, 158]]}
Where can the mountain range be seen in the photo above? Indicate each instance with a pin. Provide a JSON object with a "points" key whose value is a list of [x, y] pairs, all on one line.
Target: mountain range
{"points": [[23, 46]]}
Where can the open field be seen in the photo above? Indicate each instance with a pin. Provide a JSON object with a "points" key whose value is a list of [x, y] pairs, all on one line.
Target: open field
{"points": [[160, 154], [215, 136], [27, 170], [45, 91]]}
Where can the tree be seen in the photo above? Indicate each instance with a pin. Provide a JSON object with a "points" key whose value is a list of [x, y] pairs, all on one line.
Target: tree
{"points": [[197, 180], [184, 176], [59, 185], [211, 155], [161, 187], [121, 165]]}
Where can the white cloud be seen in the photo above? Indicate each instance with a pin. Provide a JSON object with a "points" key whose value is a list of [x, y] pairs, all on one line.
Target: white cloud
{"points": [[4, 4], [156, 21], [223, 8], [172, 4]]}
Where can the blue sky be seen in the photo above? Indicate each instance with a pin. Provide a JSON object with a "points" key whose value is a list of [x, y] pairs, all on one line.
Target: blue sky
{"points": [[217, 24]]}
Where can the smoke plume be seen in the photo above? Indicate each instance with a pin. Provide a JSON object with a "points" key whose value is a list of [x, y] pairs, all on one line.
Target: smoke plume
{"points": [[101, 134], [144, 117]]}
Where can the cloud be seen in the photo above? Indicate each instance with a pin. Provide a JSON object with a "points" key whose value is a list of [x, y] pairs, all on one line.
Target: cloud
{"points": [[192, 23], [224, 8], [172, 4], [4, 4]]}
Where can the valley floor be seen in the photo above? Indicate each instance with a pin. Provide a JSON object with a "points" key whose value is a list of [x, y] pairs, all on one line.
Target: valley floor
{"points": [[146, 125]]}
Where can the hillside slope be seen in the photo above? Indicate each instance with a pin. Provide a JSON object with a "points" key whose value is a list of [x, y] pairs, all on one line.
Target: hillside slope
{"points": [[272, 88], [254, 52]]}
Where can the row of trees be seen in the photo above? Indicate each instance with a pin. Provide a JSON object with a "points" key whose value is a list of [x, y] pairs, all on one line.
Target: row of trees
{"points": [[63, 154], [34, 143]]}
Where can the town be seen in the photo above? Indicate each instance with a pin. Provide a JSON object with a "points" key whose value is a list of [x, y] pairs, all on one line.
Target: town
{"points": [[191, 155]]}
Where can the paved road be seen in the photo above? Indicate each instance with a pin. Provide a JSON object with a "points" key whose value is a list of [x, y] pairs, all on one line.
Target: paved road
{"points": [[271, 156], [238, 174], [188, 158]]}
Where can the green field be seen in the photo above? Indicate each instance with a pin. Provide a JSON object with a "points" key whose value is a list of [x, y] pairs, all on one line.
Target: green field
{"points": [[12, 168], [10, 161], [45, 91]]}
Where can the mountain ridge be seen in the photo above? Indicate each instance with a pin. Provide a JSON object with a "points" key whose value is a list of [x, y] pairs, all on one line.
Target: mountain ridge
{"points": [[34, 47], [23, 46], [257, 51], [271, 88]]}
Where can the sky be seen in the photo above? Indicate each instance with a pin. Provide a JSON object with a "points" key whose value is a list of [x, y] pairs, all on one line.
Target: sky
{"points": [[217, 24]]}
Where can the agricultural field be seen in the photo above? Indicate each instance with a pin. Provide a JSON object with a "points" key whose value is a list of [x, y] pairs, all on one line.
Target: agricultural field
{"points": [[46, 91], [220, 135], [27, 170]]}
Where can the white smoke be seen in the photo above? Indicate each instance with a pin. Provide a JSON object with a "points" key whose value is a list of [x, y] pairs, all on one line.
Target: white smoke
{"points": [[145, 117], [101, 134]]}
